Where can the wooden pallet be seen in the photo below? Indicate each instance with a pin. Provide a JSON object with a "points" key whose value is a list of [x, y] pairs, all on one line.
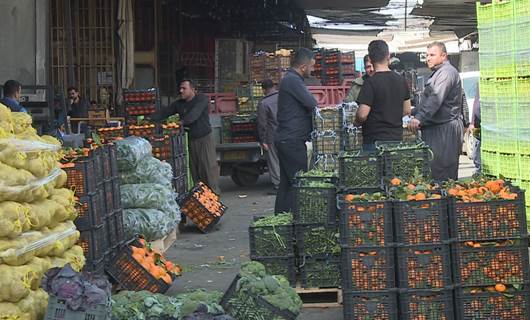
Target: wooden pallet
{"points": [[162, 245], [320, 297]]}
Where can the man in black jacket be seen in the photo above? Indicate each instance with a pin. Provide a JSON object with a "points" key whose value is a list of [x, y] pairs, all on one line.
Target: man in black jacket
{"points": [[295, 114], [192, 108]]}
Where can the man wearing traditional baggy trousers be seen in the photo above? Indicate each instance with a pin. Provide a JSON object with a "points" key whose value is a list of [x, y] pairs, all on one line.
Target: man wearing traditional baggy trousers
{"points": [[295, 123], [192, 108], [439, 115]]}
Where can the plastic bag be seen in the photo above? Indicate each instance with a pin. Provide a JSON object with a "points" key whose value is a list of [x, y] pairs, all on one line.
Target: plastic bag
{"points": [[130, 151], [14, 219], [23, 187], [149, 196], [74, 256], [32, 307], [151, 223], [21, 279], [149, 170]]}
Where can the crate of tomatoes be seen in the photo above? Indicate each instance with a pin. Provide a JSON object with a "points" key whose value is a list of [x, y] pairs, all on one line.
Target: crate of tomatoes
{"points": [[485, 209], [488, 303], [376, 305], [424, 267], [138, 267], [142, 130], [203, 207], [365, 269], [109, 134], [427, 304]]}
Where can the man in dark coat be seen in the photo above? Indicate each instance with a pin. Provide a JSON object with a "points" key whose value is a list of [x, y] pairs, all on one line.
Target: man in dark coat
{"points": [[267, 124]]}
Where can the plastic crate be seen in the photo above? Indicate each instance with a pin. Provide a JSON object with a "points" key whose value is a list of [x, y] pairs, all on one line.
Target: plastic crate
{"points": [[488, 113], [485, 14], [523, 141], [95, 267], [421, 222], [509, 165], [57, 310], [327, 119], [492, 305], [424, 267], [486, 39], [522, 34], [366, 269], [271, 241], [115, 229], [503, 11], [93, 244], [196, 212], [487, 65], [489, 162], [243, 304], [99, 158], [180, 184], [524, 167], [111, 133], [504, 35], [366, 223], [315, 205], [362, 171], [352, 139], [110, 189], [405, 163], [326, 142], [491, 220], [506, 115], [381, 305], [505, 64], [131, 275], [320, 272], [283, 266], [90, 211], [179, 165], [146, 132], [325, 162], [492, 263], [317, 239], [427, 304], [522, 63], [82, 177]]}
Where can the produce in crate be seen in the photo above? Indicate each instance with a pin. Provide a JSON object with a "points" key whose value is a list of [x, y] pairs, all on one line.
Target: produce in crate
{"points": [[272, 235], [414, 190], [487, 303], [203, 207], [480, 190], [315, 198], [358, 170], [369, 269], [317, 240], [154, 262], [406, 160]]}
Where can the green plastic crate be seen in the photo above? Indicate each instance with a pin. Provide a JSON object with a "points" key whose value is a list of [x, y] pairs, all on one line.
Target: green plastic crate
{"points": [[488, 139], [506, 115], [507, 140], [504, 36], [522, 62], [509, 165], [485, 15], [503, 11], [524, 167], [487, 90], [522, 34], [524, 141], [488, 113], [505, 89], [505, 63], [487, 39], [487, 64], [522, 10], [523, 115], [523, 90], [489, 162]]}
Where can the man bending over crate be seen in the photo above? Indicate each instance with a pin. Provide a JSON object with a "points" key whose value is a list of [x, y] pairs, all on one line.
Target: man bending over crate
{"points": [[192, 108], [439, 116]]}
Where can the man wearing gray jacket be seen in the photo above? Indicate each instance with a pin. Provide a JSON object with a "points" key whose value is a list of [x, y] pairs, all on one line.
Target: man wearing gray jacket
{"points": [[439, 116], [267, 124]]}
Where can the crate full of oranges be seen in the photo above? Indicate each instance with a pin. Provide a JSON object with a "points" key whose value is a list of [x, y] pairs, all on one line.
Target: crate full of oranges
{"points": [[203, 207]]}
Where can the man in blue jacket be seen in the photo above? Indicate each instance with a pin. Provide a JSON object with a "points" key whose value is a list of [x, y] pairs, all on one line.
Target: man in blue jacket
{"points": [[295, 123], [12, 89]]}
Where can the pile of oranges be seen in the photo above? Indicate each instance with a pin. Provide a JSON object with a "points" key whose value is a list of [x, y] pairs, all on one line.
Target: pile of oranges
{"points": [[413, 191], [481, 190], [154, 262]]}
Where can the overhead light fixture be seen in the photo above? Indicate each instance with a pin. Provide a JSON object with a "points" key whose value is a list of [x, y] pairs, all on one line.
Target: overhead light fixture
{"points": [[420, 2]]}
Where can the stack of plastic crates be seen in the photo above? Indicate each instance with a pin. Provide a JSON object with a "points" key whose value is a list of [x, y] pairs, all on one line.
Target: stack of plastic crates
{"points": [[319, 62], [504, 31], [327, 137], [139, 106], [367, 259], [257, 67], [276, 66], [490, 259], [316, 230], [337, 67], [248, 97]]}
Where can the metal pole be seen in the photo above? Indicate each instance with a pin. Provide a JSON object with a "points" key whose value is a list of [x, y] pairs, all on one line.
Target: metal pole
{"points": [[69, 42], [406, 9]]}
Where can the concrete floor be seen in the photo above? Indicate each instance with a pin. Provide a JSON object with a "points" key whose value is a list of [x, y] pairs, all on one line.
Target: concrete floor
{"points": [[211, 261]]}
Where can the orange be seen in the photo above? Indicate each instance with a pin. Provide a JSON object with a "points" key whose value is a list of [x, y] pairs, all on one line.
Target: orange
{"points": [[395, 182], [420, 196], [349, 197], [499, 287]]}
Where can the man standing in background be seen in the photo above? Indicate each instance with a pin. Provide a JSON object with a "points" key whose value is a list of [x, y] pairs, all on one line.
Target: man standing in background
{"points": [[267, 124], [439, 116], [358, 83], [12, 90], [295, 123]]}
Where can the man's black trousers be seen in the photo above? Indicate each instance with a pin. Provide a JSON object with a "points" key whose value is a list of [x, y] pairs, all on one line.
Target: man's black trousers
{"points": [[293, 158]]}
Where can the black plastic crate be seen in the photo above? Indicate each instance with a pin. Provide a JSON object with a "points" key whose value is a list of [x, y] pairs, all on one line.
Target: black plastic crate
{"points": [[113, 160], [427, 304], [421, 222], [315, 205], [365, 305], [93, 244], [352, 139], [487, 264], [366, 223], [179, 166], [327, 142], [114, 225], [99, 157], [90, 211], [82, 177], [162, 147], [202, 217], [368, 269], [309, 178], [246, 305], [57, 310], [424, 267], [472, 304], [96, 267], [283, 266], [131, 275], [111, 188], [106, 161], [271, 241], [496, 219], [325, 162], [408, 162], [181, 185], [328, 119], [360, 171], [320, 271], [317, 239]]}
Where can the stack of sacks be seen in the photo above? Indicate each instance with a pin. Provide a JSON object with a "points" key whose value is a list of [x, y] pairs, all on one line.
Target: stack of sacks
{"points": [[147, 196], [36, 216]]}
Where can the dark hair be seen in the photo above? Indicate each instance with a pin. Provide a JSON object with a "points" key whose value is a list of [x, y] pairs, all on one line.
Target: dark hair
{"points": [[267, 84], [11, 87], [302, 56], [72, 88], [191, 82], [93, 102], [378, 51], [366, 59]]}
